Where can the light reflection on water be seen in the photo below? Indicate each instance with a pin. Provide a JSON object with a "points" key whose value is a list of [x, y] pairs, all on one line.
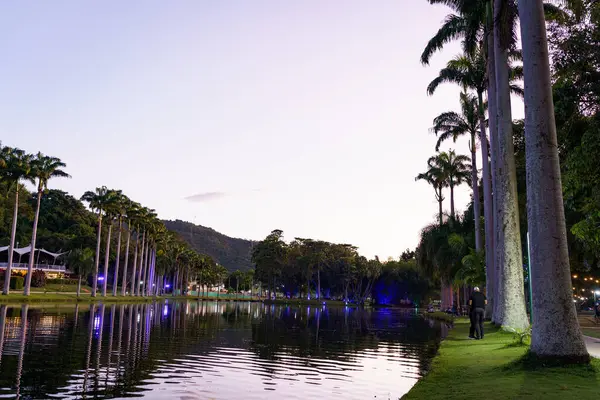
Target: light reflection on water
{"points": [[210, 350]]}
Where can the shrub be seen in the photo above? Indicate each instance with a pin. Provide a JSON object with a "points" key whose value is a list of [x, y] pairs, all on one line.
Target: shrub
{"points": [[38, 278], [17, 282]]}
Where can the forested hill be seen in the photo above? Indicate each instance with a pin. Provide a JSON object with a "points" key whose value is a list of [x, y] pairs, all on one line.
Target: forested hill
{"points": [[232, 253]]}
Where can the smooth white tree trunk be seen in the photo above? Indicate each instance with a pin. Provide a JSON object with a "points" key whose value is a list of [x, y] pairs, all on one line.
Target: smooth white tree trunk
{"points": [[487, 199], [27, 289], [144, 279], [511, 283], [493, 261], [556, 330], [118, 261], [135, 257], [140, 266], [11, 248], [476, 201], [124, 279], [106, 259], [97, 261]]}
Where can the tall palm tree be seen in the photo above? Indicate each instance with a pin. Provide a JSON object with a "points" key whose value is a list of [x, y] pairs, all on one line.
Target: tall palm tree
{"points": [[16, 167], [456, 169], [111, 209], [436, 177], [453, 125], [121, 206], [43, 168], [132, 212], [470, 72], [551, 276], [97, 201]]}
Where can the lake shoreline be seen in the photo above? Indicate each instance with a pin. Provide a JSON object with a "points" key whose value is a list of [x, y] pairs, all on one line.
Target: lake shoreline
{"points": [[492, 368]]}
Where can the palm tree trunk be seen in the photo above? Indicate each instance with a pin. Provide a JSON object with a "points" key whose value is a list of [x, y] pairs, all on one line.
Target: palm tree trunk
{"points": [[551, 274], [488, 208], [11, 248], [319, 282], [476, 201], [106, 259], [440, 208], [138, 278], [116, 275], [27, 289], [514, 313], [175, 281], [97, 262], [124, 279], [452, 200], [144, 288], [135, 257], [493, 261]]}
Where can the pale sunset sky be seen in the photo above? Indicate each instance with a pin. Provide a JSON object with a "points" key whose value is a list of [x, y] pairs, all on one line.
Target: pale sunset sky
{"points": [[244, 115]]}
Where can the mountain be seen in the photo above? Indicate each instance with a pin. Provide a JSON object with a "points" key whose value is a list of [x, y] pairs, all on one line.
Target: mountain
{"points": [[232, 253]]}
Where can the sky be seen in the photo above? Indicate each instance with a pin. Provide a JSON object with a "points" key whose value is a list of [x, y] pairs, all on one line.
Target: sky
{"points": [[245, 116]]}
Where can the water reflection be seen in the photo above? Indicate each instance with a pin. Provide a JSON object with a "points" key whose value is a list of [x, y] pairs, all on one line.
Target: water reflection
{"points": [[211, 350]]}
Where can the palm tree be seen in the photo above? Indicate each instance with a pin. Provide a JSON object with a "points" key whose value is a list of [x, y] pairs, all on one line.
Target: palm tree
{"points": [[552, 296], [470, 72], [451, 124], [132, 210], [81, 262], [16, 167], [43, 168], [97, 201], [456, 169], [111, 209], [435, 177], [121, 205]]}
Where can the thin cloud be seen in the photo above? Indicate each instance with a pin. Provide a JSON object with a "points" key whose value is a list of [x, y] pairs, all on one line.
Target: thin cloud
{"points": [[204, 197]]}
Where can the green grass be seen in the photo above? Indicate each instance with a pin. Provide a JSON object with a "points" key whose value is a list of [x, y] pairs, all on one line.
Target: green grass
{"points": [[57, 287], [440, 316], [595, 333], [491, 369]]}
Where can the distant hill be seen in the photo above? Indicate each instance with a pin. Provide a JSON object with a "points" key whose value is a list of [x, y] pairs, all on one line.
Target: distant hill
{"points": [[232, 253]]}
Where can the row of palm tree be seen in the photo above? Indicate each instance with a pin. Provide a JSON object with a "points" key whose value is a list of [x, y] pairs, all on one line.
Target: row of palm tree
{"points": [[487, 30], [157, 252], [16, 167]]}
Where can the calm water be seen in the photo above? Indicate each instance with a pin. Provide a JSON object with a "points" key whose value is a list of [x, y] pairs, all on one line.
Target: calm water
{"points": [[207, 350]]}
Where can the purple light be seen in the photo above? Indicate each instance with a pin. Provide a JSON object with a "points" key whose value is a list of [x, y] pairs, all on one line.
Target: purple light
{"points": [[167, 286], [100, 278]]}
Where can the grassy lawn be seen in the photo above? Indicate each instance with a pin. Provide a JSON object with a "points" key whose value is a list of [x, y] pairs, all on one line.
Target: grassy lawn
{"points": [[57, 287], [489, 369]]}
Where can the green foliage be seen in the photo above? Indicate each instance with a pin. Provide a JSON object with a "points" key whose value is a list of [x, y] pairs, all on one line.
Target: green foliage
{"points": [[232, 253], [521, 336], [38, 278], [305, 265], [17, 282]]}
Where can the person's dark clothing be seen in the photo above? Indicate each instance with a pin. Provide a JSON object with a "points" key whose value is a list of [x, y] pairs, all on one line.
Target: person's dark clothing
{"points": [[472, 327], [477, 300], [478, 319]]}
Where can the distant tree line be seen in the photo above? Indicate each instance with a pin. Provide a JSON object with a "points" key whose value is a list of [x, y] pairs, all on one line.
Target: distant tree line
{"points": [[316, 269]]}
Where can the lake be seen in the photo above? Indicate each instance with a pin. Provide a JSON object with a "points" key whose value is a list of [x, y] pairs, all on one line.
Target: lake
{"points": [[209, 350]]}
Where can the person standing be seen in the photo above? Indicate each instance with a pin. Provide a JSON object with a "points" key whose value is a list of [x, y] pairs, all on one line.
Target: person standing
{"points": [[477, 301]]}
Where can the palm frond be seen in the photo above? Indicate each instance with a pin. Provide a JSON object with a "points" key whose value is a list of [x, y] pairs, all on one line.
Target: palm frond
{"points": [[452, 29]]}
